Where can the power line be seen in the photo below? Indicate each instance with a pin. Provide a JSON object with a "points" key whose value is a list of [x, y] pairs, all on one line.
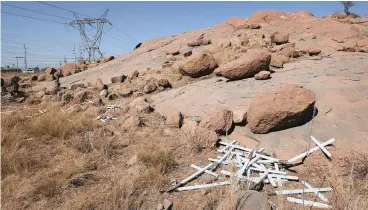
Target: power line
{"points": [[28, 37], [123, 32], [9, 5], [90, 17], [62, 8], [37, 43], [33, 18]]}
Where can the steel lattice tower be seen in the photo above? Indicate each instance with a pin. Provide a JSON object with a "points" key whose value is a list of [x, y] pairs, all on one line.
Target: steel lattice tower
{"points": [[91, 42]]}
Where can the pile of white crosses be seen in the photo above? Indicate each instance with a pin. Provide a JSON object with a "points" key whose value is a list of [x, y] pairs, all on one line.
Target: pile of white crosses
{"points": [[255, 167]]}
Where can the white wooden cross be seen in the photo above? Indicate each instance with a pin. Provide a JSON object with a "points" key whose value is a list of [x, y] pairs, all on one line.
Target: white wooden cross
{"points": [[321, 147], [311, 150], [315, 192], [206, 171]]}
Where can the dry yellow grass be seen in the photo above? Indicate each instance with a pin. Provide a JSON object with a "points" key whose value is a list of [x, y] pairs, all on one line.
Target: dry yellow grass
{"points": [[41, 156]]}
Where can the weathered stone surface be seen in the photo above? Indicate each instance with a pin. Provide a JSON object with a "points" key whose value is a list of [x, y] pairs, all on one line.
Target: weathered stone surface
{"points": [[287, 107], [118, 79], [69, 68], [313, 51], [280, 38], [219, 120], [173, 50], [54, 88], [76, 85], [199, 41], [34, 78], [265, 16], [82, 96], [40, 94], [125, 93], [204, 137], [246, 66], [133, 121], [50, 71], [174, 119], [50, 78], [135, 74], [163, 83], [244, 200], [150, 87], [107, 59], [198, 65], [113, 96], [141, 104], [262, 75], [96, 82], [187, 53], [168, 205], [240, 116], [254, 26]]}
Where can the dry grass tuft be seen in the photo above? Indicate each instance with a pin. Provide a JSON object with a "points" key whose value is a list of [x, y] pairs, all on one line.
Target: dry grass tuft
{"points": [[157, 157]]}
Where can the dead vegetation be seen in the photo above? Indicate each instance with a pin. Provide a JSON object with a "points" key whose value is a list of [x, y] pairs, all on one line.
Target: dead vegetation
{"points": [[71, 161]]}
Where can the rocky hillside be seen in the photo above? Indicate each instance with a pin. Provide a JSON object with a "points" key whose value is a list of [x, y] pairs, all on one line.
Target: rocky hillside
{"points": [[125, 130]]}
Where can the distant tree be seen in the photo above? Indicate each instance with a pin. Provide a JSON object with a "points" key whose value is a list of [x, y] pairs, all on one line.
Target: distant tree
{"points": [[347, 6]]}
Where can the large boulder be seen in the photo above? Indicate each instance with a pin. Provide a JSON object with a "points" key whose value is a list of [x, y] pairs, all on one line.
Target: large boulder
{"points": [[199, 41], [96, 82], [246, 66], [133, 121], [41, 77], [141, 105], [174, 119], [198, 65], [218, 120], [50, 71], [266, 16], [289, 106], [201, 137], [118, 79], [280, 38], [150, 86], [239, 116], [69, 68]]}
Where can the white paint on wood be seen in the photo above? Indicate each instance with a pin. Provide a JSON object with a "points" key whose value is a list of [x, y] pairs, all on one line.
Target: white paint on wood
{"points": [[246, 166], [271, 180], [309, 203], [321, 147], [284, 177], [262, 177], [268, 157], [279, 183], [310, 151], [196, 174], [202, 186], [206, 171], [227, 146], [237, 147], [317, 192], [300, 191], [269, 170]]}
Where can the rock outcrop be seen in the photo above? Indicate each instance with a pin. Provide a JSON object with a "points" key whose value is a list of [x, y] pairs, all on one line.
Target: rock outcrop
{"points": [[246, 66], [198, 65], [219, 120]]}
